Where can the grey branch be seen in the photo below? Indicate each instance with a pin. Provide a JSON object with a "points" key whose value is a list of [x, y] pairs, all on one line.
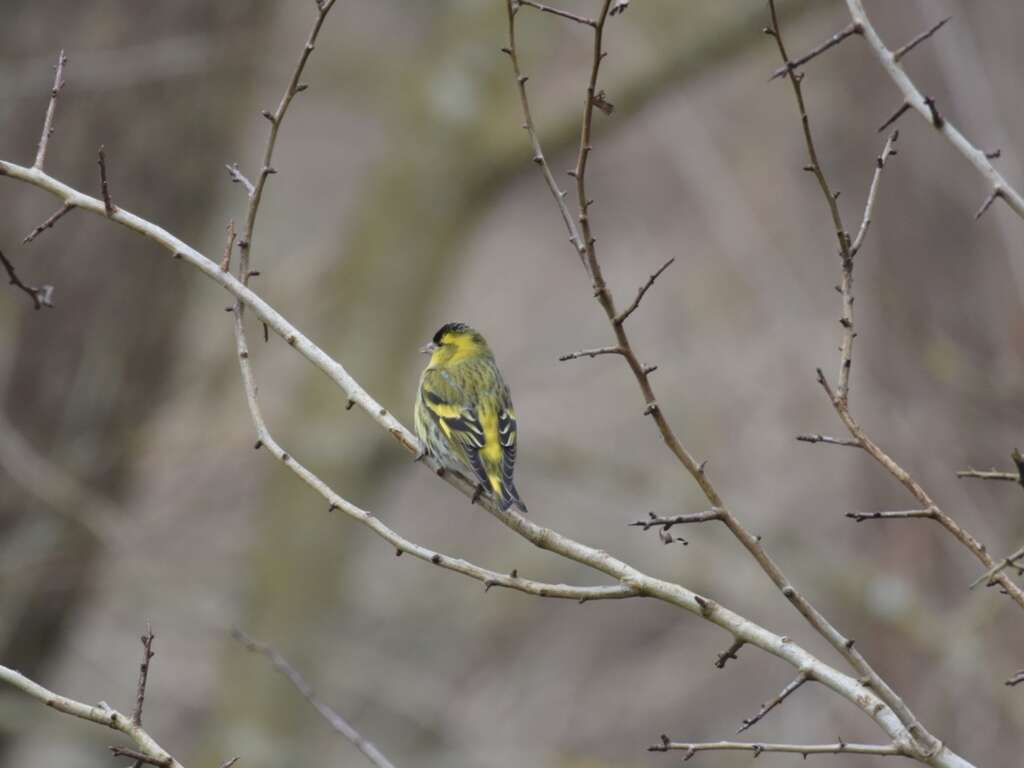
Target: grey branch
{"points": [[836, 39], [758, 748], [53, 219], [557, 12], [897, 514], [828, 440], [1006, 562], [335, 720], [923, 106], [101, 715], [621, 318], [771, 704], [51, 110]]}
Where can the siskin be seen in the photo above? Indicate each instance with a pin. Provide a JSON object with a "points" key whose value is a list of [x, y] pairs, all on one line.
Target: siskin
{"points": [[464, 413]]}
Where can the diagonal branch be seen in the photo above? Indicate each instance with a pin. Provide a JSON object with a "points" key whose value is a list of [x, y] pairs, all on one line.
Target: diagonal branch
{"points": [[741, 628], [557, 12], [336, 721], [1007, 562], [621, 318], [912, 97], [53, 219], [41, 296], [771, 704], [836, 39], [102, 715], [905, 49]]}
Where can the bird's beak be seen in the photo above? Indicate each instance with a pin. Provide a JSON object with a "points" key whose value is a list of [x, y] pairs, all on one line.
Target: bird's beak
{"points": [[428, 349]]}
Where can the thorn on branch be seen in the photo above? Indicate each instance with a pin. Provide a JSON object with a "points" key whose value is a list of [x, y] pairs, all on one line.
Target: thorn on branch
{"points": [[904, 50], [41, 296], [995, 154], [836, 39], [895, 116], [936, 118], [996, 193], [104, 187], [54, 218]]}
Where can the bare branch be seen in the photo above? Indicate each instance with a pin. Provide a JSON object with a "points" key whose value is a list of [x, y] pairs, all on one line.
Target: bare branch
{"points": [[108, 205], [41, 296], [590, 353], [914, 98], [621, 318], [102, 715], [557, 12], [667, 522], [836, 39], [828, 440], [237, 177], [147, 654], [139, 757], [54, 218], [51, 110], [1006, 562], [336, 721], [903, 513], [904, 50], [887, 151], [729, 653], [1016, 679], [531, 130], [225, 263], [840, 747], [990, 474], [894, 116], [771, 704]]}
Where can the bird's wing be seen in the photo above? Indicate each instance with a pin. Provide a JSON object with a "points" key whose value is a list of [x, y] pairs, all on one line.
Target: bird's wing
{"points": [[458, 420]]}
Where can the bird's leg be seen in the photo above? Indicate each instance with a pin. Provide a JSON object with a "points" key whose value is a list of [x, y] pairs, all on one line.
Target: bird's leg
{"points": [[477, 494]]}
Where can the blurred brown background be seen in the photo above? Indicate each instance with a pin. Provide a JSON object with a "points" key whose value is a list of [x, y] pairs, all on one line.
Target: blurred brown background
{"points": [[129, 491]]}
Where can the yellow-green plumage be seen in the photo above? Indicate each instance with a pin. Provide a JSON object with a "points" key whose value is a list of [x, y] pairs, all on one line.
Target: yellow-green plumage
{"points": [[464, 414]]}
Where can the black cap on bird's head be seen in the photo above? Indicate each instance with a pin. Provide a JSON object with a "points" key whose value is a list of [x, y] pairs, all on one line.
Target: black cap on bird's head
{"points": [[457, 334]]}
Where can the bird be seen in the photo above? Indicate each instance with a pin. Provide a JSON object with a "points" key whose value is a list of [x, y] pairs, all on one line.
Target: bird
{"points": [[464, 415]]}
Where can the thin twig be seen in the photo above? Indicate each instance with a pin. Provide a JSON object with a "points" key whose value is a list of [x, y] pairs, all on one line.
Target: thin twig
{"points": [[147, 654], [914, 98], [730, 653], [894, 116], [531, 130], [772, 703], [225, 263], [887, 151], [336, 721], [654, 521], [41, 296], [1016, 678], [836, 39], [237, 177], [557, 12], [904, 50], [101, 715], [51, 110], [897, 514], [140, 758], [989, 474], [108, 204], [54, 218], [1006, 562], [828, 440], [596, 352], [840, 747], [621, 318]]}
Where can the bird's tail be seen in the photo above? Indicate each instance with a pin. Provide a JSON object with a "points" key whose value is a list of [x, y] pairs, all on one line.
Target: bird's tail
{"points": [[510, 497]]}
